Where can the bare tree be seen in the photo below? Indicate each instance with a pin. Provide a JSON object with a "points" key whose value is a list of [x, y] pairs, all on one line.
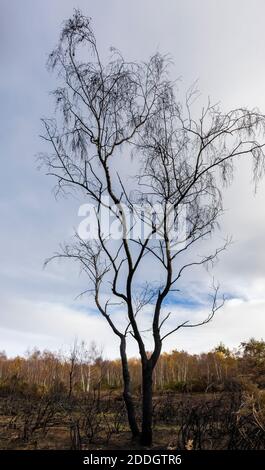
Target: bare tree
{"points": [[106, 112], [73, 361]]}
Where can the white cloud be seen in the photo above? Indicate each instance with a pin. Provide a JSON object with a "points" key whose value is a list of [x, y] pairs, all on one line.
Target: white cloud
{"points": [[45, 324], [237, 321], [27, 324]]}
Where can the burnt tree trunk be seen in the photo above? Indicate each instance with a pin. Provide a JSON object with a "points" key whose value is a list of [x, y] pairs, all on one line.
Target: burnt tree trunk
{"points": [[127, 396], [147, 404]]}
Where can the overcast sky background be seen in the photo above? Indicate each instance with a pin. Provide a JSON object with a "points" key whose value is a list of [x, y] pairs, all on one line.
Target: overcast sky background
{"points": [[222, 45]]}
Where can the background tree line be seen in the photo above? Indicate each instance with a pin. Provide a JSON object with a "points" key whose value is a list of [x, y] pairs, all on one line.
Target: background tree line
{"points": [[85, 371]]}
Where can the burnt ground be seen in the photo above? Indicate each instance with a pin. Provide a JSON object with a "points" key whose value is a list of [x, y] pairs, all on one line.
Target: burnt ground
{"points": [[182, 421]]}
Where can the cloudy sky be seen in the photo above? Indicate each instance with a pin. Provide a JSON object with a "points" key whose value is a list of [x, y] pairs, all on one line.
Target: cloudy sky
{"points": [[222, 45]]}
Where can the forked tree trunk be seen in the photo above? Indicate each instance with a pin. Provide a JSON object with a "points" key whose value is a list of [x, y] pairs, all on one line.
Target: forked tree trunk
{"points": [[127, 396], [147, 404]]}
